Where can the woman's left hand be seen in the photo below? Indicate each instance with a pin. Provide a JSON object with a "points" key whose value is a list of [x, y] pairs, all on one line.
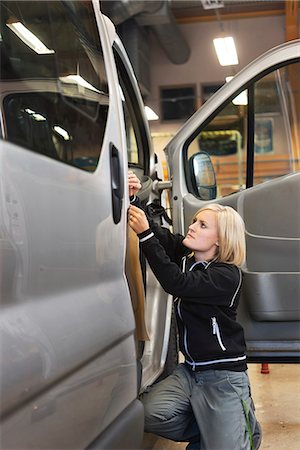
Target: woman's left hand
{"points": [[137, 219], [134, 184]]}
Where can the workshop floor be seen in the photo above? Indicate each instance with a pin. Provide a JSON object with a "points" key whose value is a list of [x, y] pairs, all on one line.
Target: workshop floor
{"points": [[277, 399]]}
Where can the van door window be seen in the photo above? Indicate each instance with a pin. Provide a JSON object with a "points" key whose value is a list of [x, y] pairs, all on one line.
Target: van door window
{"points": [[131, 139], [137, 137], [276, 123], [55, 86], [276, 129], [224, 138]]}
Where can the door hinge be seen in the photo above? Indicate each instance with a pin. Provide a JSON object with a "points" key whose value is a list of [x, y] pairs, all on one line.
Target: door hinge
{"points": [[159, 186]]}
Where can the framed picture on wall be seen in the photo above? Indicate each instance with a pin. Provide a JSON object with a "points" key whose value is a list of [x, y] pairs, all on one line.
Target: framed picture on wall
{"points": [[263, 135], [177, 102]]}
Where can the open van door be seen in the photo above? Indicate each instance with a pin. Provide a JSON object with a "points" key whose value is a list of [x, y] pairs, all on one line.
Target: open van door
{"points": [[158, 355], [250, 131]]}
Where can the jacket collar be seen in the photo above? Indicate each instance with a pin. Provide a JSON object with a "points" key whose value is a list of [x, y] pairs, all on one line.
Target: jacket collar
{"points": [[189, 263]]}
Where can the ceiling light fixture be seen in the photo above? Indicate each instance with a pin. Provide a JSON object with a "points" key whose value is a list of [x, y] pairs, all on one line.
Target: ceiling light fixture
{"points": [[81, 82], [226, 51], [29, 38], [212, 4], [38, 117], [150, 114], [62, 132]]}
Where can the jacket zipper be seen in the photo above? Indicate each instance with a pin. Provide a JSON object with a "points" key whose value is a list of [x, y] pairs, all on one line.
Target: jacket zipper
{"points": [[216, 332], [184, 334], [185, 337]]}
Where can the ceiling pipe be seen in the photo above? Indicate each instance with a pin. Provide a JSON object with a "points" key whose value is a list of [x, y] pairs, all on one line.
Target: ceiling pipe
{"points": [[172, 42], [121, 10], [158, 16]]}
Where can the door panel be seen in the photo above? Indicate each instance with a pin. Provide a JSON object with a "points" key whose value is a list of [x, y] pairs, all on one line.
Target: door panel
{"points": [[272, 284], [273, 225], [257, 139]]}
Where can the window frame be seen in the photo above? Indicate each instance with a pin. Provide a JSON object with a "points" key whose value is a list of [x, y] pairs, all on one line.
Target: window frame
{"points": [[134, 106]]}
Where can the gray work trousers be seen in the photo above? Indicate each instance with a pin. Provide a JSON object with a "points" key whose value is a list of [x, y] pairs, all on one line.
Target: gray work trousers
{"points": [[211, 410]]}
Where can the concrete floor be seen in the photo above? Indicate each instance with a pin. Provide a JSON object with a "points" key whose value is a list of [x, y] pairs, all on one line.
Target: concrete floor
{"points": [[277, 399]]}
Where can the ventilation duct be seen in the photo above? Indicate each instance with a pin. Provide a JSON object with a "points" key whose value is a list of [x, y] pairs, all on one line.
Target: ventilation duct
{"points": [[156, 15]]}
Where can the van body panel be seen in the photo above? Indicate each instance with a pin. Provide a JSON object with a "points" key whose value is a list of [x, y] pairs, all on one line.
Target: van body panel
{"points": [[128, 429], [67, 277], [76, 409]]}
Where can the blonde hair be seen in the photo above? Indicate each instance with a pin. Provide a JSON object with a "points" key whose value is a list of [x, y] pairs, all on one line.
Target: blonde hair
{"points": [[231, 232]]}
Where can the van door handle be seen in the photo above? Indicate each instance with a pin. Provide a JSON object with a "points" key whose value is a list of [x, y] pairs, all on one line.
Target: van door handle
{"points": [[117, 185]]}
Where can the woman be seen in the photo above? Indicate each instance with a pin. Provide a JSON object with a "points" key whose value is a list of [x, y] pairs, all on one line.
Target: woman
{"points": [[207, 400]]}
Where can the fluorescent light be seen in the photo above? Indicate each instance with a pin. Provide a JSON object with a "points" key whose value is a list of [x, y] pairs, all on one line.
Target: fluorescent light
{"points": [[38, 117], [226, 51], [150, 114], [29, 38], [77, 79], [62, 132], [212, 4], [242, 98], [29, 111]]}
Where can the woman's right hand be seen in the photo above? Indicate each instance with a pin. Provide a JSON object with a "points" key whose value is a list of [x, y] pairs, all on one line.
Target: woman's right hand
{"points": [[137, 219]]}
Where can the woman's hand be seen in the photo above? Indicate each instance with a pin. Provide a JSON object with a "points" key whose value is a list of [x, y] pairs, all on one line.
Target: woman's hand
{"points": [[137, 219], [134, 184]]}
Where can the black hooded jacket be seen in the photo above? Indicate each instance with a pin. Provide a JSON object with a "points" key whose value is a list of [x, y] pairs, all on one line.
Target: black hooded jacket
{"points": [[206, 299]]}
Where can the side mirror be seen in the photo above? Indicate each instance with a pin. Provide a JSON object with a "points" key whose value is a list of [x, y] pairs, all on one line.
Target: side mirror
{"points": [[203, 176]]}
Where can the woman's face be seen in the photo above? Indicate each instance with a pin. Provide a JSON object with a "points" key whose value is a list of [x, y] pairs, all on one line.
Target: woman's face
{"points": [[202, 236]]}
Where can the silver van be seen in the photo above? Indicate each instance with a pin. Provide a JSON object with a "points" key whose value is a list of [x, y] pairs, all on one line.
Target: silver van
{"points": [[78, 341]]}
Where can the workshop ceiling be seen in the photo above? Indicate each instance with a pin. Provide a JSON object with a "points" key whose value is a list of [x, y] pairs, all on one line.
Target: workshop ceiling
{"points": [[188, 11], [163, 17]]}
